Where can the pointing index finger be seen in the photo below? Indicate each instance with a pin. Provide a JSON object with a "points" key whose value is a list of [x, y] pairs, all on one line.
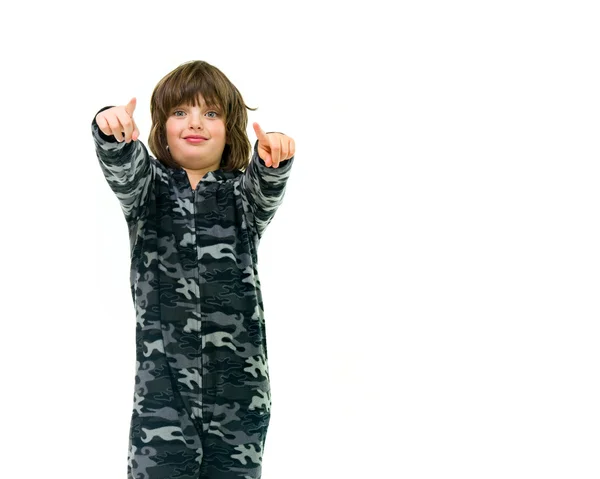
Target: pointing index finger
{"points": [[260, 134], [130, 107]]}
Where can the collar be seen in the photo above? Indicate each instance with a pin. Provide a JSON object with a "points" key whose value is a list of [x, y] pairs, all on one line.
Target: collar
{"points": [[209, 177]]}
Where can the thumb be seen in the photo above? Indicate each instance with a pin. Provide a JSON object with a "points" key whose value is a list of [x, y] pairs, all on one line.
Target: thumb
{"points": [[130, 107]]}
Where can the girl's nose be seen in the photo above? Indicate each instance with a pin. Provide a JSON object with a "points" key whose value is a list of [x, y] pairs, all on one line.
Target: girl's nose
{"points": [[195, 120]]}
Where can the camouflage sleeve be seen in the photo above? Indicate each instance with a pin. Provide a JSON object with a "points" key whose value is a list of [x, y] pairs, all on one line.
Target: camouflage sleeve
{"points": [[127, 169], [263, 189]]}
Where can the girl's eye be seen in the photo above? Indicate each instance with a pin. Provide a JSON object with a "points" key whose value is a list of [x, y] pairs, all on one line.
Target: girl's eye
{"points": [[181, 111]]}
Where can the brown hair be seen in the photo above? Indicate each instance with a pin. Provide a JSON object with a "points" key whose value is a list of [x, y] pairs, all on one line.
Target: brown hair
{"points": [[182, 85]]}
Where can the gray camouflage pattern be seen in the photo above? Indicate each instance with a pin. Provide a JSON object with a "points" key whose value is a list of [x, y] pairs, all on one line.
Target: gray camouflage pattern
{"points": [[202, 396]]}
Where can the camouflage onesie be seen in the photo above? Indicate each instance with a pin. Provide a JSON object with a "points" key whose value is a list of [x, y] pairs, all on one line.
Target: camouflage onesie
{"points": [[202, 398]]}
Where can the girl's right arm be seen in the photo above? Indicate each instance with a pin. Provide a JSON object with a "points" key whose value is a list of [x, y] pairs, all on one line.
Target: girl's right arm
{"points": [[123, 159]]}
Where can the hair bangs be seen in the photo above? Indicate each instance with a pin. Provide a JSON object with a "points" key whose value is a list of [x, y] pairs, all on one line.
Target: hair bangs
{"points": [[184, 89]]}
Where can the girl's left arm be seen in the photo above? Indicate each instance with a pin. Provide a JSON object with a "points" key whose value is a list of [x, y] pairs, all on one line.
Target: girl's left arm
{"points": [[264, 181]]}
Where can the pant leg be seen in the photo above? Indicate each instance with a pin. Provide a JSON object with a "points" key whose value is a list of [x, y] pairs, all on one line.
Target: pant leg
{"points": [[234, 443], [164, 446], [165, 435]]}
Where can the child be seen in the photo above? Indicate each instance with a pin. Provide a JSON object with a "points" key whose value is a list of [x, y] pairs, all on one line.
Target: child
{"points": [[195, 215]]}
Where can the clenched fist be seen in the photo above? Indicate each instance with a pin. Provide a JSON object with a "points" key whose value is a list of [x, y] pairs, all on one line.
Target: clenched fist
{"points": [[118, 121]]}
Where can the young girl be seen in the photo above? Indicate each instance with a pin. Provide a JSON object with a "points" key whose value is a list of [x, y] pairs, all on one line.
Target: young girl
{"points": [[195, 215]]}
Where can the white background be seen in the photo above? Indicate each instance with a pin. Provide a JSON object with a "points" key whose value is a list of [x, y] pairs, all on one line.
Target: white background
{"points": [[430, 281]]}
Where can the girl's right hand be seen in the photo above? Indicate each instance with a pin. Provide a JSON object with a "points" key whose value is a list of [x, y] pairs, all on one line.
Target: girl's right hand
{"points": [[118, 121]]}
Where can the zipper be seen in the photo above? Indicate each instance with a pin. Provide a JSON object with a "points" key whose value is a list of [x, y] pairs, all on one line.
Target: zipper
{"points": [[198, 306]]}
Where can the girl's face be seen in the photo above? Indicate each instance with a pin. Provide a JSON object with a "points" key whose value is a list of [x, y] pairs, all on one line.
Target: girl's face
{"points": [[186, 122]]}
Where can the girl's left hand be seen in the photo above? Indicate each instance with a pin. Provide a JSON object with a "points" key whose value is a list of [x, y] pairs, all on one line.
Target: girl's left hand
{"points": [[273, 147]]}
